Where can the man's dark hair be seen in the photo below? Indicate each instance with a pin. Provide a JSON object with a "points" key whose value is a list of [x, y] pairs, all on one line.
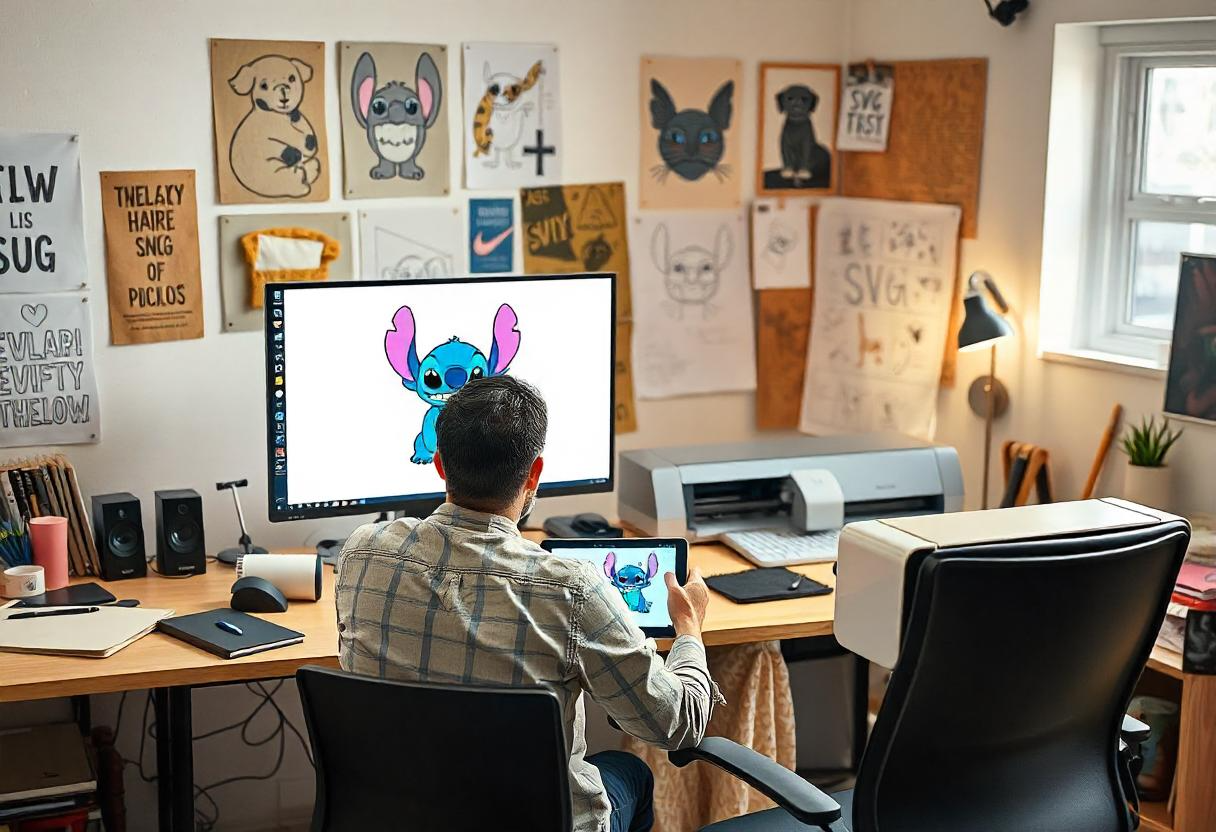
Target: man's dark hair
{"points": [[488, 435]]}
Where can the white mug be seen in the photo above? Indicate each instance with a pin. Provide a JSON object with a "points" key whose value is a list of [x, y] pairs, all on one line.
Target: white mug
{"points": [[298, 577], [24, 581]]}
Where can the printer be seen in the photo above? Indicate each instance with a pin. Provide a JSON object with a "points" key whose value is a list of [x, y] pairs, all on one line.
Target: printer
{"points": [[801, 483], [878, 560]]}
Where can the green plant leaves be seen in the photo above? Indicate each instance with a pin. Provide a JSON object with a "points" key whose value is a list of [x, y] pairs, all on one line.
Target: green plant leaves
{"points": [[1147, 444]]}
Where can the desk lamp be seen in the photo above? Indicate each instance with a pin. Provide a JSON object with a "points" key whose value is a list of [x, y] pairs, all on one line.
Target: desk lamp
{"points": [[245, 545], [982, 327]]}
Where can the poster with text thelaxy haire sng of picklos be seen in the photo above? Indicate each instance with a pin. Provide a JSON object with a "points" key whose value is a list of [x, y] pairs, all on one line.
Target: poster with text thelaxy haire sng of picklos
{"points": [[41, 215], [48, 391], [152, 267]]}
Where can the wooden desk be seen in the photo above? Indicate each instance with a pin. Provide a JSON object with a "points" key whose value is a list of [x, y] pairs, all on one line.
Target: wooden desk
{"points": [[170, 668]]}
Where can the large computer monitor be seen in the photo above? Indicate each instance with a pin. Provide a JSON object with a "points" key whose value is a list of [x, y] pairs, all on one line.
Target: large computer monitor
{"points": [[356, 374]]}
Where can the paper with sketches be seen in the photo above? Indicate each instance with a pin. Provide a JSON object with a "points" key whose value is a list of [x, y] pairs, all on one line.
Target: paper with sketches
{"points": [[884, 280], [268, 105], [865, 107], [692, 305], [408, 243], [781, 244], [512, 115], [691, 148], [48, 390], [394, 104], [41, 213]]}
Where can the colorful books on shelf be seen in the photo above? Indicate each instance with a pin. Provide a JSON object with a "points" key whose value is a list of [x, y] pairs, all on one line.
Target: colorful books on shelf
{"points": [[44, 486]]}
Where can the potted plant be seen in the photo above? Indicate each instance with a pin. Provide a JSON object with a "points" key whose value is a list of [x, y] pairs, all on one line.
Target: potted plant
{"points": [[1147, 477]]}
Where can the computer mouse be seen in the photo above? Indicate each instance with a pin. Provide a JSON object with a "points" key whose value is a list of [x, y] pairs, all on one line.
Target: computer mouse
{"points": [[589, 523], [251, 594]]}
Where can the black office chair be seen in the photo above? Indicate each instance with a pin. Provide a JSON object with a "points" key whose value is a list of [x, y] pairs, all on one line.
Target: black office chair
{"points": [[1005, 710]]}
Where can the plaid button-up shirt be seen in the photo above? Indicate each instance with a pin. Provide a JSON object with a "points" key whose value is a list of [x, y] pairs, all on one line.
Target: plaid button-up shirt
{"points": [[462, 597]]}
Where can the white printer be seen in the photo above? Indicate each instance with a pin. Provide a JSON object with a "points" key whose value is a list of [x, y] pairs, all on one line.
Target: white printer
{"points": [[878, 558], [800, 483]]}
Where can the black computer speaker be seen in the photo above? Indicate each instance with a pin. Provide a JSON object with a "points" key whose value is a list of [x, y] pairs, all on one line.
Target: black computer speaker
{"points": [[180, 548], [118, 530]]}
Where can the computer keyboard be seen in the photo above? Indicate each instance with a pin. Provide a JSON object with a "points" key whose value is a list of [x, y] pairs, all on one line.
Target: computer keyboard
{"points": [[773, 547]]}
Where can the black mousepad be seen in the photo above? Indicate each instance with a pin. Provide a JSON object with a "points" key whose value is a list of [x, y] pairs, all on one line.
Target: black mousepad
{"points": [[771, 583], [75, 595]]}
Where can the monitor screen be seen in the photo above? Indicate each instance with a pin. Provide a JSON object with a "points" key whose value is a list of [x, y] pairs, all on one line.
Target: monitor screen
{"points": [[357, 374]]}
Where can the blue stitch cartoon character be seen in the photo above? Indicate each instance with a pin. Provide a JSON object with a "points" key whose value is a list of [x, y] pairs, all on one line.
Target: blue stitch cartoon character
{"points": [[630, 580], [446, 368]]}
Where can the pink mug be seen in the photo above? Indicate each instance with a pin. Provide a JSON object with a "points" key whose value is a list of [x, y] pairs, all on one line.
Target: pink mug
{"points": [[49, 540]]}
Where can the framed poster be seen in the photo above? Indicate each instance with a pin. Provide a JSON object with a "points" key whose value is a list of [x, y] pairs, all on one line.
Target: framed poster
{"points": [[1190, 385], [796, 151]]}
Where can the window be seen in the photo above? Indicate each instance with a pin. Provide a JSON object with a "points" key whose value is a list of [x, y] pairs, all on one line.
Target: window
{"points": [[1155, 196]]}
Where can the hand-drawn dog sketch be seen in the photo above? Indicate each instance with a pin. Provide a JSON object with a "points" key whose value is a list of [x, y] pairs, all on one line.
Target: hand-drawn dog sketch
{"points": [[395, 116], [273, 151], [498, 124], [691, 142], [802, 156], [692, 275], [446, 368], [630, 580]]}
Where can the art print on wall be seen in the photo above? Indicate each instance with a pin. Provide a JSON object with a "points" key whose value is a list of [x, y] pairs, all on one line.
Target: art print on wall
{"points": [[41, 213], [48, 390], [884, 288], [578, 228], [409, 243], [692, 305], [268, 105], [491, 236], [781, 245], [1190, 386], [865, 108], [690, 146], [394, 119], [152, 261], [512, 116], [796, 151]]}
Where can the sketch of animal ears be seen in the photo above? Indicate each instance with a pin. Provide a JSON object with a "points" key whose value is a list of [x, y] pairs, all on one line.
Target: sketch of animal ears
{"points": [[724, 248], [660, 249], [506, 340], [486, 72], [242, 83], [400, 349], [610, 566], [652, 565]]}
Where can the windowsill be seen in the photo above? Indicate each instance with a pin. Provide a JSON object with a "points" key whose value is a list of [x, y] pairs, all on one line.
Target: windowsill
{"points": [[1096, 360]]}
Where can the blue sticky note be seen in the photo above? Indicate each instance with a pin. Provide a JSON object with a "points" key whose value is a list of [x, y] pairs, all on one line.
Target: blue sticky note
{"points": [[491, 235]]}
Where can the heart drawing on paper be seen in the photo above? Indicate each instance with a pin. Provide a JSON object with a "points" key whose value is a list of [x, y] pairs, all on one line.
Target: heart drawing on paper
{"points": [[34, 315]]}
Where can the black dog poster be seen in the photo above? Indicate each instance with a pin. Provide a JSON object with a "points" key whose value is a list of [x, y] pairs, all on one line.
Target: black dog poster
{"points": [[48, 391], [796, 154], [152, 266], [41, 216]]}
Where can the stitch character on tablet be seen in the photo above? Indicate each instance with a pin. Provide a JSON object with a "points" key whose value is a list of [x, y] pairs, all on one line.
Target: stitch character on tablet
{"points": [[446, 368], [630, 580]]}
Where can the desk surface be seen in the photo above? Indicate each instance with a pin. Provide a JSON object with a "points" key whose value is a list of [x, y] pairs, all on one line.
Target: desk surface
{"points": [[158, 660]]}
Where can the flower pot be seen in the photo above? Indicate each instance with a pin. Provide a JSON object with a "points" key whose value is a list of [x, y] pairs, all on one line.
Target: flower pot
{"points": [[1148, 486]]}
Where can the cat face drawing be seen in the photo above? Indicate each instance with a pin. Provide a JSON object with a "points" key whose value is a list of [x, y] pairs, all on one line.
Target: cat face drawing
{"points": [[691, 142]]}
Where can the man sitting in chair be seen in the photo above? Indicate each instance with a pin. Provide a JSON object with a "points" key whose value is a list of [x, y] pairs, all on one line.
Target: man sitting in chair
{"points": [[462, 597]]}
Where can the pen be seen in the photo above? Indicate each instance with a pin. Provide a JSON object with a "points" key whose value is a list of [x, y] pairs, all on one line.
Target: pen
{"points": [[796, 583], [49, 613], [229, 627]]}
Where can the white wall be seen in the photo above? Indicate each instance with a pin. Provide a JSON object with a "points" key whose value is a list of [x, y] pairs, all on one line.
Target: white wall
{"points": [[132, 77], [1061, 407]]}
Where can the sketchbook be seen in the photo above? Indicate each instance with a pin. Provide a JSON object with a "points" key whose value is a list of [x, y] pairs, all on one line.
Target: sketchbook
{"points": [[93, 635]]}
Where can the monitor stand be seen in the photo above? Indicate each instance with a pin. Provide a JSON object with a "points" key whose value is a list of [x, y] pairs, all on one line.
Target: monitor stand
{"points": [[329, 549]]}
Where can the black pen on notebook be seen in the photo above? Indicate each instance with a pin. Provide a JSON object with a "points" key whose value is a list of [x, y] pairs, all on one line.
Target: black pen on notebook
{"points": [[48, 613]]}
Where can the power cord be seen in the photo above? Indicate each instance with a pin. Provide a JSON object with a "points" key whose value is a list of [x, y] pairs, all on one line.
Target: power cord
{"points": [[208, 819]]}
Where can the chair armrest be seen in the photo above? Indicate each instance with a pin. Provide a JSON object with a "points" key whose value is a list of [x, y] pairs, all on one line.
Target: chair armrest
{"points": [[791, 792], [1133, 730]]}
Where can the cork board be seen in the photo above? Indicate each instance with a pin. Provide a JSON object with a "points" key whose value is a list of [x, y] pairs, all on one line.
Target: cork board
{"points": [[936, 141], [783, 326], [626, 417]]}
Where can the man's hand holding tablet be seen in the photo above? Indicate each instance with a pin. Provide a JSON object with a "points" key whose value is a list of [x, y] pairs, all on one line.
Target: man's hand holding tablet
{"points": [[686, 604]]}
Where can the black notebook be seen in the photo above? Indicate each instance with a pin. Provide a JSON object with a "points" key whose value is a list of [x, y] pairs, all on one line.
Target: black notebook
{"points": [[768, 584], [201, 629]]}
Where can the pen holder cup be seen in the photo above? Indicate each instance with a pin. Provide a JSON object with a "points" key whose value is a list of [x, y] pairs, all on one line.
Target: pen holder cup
{"points": [[49, 541]]}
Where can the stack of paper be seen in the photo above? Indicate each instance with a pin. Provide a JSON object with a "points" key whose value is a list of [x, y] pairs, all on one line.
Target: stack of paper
{"points": [[95, 634]]}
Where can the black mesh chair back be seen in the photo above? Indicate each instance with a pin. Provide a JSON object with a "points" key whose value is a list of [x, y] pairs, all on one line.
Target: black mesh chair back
{"points": [[425, 757], [1019, 660]]}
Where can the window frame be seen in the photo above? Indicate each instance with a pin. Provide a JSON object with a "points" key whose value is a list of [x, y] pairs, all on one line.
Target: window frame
{"points": [[1119, 201]]}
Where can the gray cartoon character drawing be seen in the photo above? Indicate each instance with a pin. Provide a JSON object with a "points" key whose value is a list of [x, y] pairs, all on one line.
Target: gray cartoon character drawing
{"points": [[396, 116], [691, 142], [692, 275]]}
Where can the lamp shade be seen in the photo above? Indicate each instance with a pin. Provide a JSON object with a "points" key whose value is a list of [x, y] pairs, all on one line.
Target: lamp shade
{"points": [[980, 323]]}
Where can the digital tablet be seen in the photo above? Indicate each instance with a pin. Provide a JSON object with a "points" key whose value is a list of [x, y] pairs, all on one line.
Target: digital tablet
{"points": [[634, 567]]}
